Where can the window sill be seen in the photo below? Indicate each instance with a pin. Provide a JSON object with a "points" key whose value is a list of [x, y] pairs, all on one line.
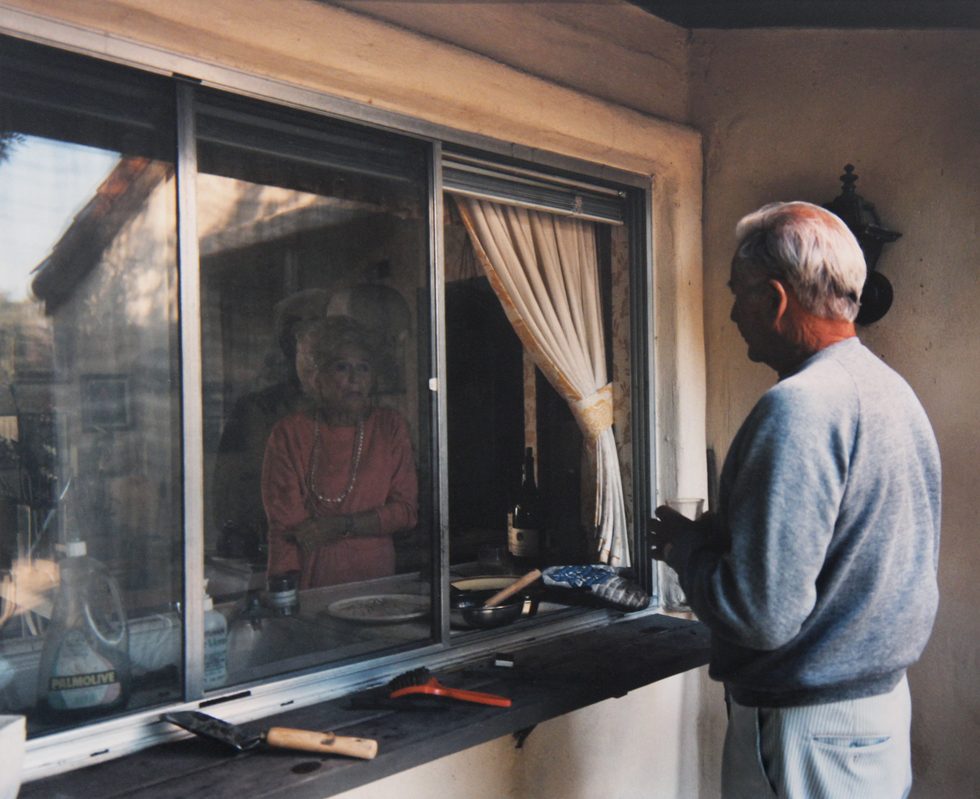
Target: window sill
{"points": [[548, 679]]}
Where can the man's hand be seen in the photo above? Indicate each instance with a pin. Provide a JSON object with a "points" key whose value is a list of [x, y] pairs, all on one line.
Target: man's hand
{"points": [[666, 527]]}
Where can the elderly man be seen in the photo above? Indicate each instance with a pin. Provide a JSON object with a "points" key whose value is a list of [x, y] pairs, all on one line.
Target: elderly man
{"points": [[817, 572]]}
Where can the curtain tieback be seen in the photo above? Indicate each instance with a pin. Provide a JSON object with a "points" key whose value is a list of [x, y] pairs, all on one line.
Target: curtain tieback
{"points": [[594, 413]]}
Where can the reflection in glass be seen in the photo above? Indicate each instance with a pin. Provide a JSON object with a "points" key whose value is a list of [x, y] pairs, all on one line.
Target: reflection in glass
{"points": [[338, 476], [313, 265], [89, 500]]}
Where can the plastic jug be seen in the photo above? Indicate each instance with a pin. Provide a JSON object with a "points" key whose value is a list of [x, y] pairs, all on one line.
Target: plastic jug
{"points": [[85, 668]]}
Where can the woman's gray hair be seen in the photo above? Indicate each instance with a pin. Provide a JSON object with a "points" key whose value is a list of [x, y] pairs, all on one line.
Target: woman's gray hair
{"points": [[294, 315], [335, 333], [811, 249]]}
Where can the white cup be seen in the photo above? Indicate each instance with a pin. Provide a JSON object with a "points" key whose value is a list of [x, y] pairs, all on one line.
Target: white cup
{"points": [[13, 731], [671, 594], [691, 507]]}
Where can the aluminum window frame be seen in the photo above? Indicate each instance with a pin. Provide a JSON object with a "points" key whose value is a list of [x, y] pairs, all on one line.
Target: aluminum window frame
{"points": [[102, 740]]}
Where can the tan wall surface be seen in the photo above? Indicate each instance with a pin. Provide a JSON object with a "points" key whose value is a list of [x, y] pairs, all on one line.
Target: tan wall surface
{"points": [[642, 746], [326, 48], [604, 48], [782, 112]]}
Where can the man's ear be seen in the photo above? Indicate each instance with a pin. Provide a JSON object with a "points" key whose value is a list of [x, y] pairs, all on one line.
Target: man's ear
{"points": [[779, 299]]}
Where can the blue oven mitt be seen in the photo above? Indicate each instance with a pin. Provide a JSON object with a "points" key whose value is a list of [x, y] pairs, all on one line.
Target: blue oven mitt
{"points": [[605, 582]]}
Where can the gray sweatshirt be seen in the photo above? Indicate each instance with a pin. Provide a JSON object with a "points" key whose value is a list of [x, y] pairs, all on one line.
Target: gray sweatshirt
{"points": [[818, 581]]}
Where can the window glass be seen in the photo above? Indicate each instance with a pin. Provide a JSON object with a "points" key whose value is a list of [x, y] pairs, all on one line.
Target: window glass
{"points": [[90, 508], [320, 535], [313, 246]]}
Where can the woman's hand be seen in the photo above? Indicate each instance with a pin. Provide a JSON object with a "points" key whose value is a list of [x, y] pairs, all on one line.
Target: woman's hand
{"points": [[317, 531]]}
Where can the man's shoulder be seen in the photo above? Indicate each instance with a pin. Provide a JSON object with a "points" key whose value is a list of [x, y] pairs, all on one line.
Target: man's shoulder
{"points": [[815, 384], [825, 388], [868, 374], [845, 381], [837, 370]]}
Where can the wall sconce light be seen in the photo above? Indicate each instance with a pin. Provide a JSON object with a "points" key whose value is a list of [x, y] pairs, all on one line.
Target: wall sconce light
{"points": [[860, 216]]}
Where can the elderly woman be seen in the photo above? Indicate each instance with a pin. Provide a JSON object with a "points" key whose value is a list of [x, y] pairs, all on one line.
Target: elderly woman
{"points": [[236, 508], [338, 478]]}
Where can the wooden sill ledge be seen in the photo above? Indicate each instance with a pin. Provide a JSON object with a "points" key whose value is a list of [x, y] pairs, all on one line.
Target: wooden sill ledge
{"points": [[548, 679]]}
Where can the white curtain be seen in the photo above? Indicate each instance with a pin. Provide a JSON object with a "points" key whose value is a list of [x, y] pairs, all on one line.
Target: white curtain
{"points": [[544, 270]]}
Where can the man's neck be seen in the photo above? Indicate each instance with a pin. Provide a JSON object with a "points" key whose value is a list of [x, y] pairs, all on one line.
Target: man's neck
{"points": [[817, 334], [808, 334]]}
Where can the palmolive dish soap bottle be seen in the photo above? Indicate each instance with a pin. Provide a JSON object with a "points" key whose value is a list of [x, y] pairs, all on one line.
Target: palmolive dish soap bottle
{"points": [[85, 667]]}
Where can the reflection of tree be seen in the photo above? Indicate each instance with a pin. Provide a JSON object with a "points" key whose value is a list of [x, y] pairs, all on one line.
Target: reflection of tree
{"points": [[27, 444], [28, 463], [25, 342], [27, 481]]}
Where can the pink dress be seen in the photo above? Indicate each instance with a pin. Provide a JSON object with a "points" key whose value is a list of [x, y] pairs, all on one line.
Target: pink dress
{"points": [[386, 483]]}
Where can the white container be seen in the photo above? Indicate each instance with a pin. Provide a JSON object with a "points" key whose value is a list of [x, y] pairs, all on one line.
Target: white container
{"points": [[85, 666], [13, 732], [215, 646]]}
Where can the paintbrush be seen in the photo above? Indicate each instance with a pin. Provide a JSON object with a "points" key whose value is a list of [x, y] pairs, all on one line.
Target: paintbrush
{"points": [[421, 681]]}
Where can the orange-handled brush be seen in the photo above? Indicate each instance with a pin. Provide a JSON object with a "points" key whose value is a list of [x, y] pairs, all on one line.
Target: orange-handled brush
{"points": [[421, 681]]}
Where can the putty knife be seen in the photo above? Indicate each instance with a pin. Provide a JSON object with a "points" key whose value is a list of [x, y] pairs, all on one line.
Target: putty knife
{"points": [[280, 737]]}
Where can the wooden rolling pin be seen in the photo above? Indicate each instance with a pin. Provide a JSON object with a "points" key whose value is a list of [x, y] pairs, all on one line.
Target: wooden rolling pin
{"points": [[513, 588]]}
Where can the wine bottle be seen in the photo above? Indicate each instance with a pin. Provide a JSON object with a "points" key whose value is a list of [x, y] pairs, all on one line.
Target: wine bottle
{"points": [[524, 527]]}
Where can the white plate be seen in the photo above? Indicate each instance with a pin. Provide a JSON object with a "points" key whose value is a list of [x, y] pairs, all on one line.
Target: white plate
{"points": [[380, 608]]}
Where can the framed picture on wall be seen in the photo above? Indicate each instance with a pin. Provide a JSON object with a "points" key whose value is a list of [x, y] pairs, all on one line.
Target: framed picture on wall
{"points": [[105, 402]]}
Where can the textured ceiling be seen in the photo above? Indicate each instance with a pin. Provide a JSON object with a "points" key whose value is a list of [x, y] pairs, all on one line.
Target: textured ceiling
{"points": [[881, 14]]}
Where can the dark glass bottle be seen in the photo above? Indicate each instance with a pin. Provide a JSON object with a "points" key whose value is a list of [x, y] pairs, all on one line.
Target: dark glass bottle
{"points": [[524, 523]]}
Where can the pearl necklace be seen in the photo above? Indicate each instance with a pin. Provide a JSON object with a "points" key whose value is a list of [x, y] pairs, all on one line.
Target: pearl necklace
{"points": [[318, 498]]}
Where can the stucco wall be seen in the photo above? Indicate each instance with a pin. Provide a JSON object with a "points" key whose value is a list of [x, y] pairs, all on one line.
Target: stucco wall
{"points": [[643, 59], [643, 746], [781, 113]]}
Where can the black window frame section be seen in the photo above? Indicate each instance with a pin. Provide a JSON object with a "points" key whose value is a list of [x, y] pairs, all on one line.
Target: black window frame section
{"points": [[469, 164]]}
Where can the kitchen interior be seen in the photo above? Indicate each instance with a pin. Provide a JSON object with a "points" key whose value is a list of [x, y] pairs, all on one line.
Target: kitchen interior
{"points": [[712, 80]]}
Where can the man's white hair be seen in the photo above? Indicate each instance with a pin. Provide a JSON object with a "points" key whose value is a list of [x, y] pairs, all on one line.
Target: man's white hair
{"points": [[811, 249]]}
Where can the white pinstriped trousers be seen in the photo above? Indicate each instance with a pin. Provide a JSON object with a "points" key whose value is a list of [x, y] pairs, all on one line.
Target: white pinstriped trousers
{"points": [[857, 749]]}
